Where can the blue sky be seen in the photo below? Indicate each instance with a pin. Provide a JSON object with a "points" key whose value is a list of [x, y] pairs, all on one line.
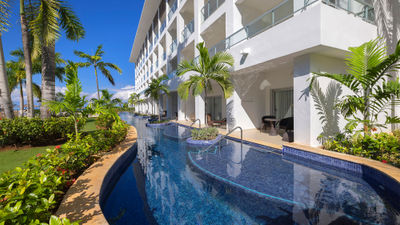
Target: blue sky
{"points": [[111, 23]]}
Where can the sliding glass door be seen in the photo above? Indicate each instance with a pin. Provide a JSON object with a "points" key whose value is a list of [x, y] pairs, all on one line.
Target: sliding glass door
{"points": [[282, 103]]}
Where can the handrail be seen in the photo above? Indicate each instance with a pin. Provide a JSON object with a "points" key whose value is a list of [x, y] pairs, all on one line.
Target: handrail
{"points": [[191, 125], [224, 137]]}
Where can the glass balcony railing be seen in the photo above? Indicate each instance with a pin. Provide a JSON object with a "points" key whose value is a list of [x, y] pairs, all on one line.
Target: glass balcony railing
{"points": [[210, 7], [363, 9], [172, 10], [163, 25], [151, 69], [157, 64], [188, 30], [150, 47], [164, 56], [155, 39], [172, 47]]}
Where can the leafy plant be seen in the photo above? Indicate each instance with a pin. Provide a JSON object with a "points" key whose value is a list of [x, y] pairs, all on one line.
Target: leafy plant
{"points": [[30, 194], [370, 80], [156, 87], [73, 101], [208, 133], [206, 69]]}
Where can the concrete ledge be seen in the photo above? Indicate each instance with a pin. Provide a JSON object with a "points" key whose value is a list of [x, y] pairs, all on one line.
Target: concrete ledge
{"points": [[82, 200], [190, 141], [383, 173], [157, 125]]}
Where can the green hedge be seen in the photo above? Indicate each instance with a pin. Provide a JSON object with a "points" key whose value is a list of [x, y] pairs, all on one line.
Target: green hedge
{"points": [[32, 193], [35, 131], [383, 147]]}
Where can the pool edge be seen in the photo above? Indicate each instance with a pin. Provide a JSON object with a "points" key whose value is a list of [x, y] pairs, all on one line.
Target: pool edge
{"points": [[82, 200]]}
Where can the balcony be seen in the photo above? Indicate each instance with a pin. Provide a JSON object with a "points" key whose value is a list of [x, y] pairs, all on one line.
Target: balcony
{"points": [[163, 25], [155, 39], [188, 30], [210, 7], [172, 10], [283, 12], [164, 56], [173, 46], [156, 63], [150, 48]]}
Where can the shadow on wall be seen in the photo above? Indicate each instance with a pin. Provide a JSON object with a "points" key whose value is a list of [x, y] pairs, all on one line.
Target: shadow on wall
{"points": [[329, 114]]}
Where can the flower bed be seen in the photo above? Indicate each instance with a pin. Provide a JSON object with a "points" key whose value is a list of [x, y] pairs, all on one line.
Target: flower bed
{"points": [[384, 147], [35, 131], [192, 141], [204, 136], [32, 194]]}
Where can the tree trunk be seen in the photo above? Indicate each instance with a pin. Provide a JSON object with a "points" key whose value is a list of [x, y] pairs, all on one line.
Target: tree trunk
{"points": [[205, 106], [48, 79], [28, 60], [5, 96], [387, 19], [97, 83], [159, 109], [21, 100]]}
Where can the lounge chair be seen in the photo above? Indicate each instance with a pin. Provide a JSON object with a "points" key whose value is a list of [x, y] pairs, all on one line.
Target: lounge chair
{"points": [[288, 125]]}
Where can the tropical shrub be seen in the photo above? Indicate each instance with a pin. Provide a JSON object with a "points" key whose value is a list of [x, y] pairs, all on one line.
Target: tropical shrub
{"points": [[208, 133], [384, 147], [29, 195], [35, 131], [105, 121]]}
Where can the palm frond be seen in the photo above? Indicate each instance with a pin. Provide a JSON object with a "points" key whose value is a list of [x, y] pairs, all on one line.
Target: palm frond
{"points": [[112, 66], [37, 92], [45, 27], [4, 15], [70, 23], [106, 73], [99, 51]]}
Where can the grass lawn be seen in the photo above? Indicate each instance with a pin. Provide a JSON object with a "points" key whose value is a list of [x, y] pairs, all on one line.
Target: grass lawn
{"points": [[13, 158]]}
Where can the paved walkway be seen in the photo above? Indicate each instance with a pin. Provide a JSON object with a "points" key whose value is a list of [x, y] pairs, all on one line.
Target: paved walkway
{"points": [[253, 135]]}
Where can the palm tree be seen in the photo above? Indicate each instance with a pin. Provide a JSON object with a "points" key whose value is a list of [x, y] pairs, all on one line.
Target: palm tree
{"points": [[155, 89], [5, 96], [369, 79], [73, 101], [134, 99], [206, 69], [96, 61], [17, 77], [16, 72], [52, 16], [26, 43]]}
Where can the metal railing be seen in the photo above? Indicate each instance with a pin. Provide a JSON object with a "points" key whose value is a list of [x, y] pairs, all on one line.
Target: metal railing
{"points": [[188, 30], [172, 10], [210, 7], [224, 137], [191, 125]]}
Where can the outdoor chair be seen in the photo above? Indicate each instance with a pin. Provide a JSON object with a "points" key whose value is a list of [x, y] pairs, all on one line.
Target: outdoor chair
{"points": [[267, 123], [288, 125]]}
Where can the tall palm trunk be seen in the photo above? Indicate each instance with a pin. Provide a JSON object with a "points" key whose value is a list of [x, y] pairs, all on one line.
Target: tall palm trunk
{"points": [[5, 96], [21, 100], [97, 82], [205, 106], [48, 79], [27, 57]]}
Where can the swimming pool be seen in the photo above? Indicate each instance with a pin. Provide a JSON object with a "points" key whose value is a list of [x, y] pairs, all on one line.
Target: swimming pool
{"points": [[172, 183]]}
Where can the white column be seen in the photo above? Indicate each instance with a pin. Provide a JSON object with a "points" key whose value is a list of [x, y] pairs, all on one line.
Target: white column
{"points": [[233, 18], [181, 108], [199, 108]]}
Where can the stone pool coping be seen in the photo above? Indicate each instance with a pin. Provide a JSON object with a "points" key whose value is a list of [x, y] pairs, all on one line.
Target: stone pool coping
{"points": [[82, 200], [385, 168]]}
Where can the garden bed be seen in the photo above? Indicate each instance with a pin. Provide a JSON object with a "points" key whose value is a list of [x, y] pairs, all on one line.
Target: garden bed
{"points": [[192, 141]]}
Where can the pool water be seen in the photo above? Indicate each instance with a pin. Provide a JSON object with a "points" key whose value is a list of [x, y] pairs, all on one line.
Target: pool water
{"points": [[172, 183]]}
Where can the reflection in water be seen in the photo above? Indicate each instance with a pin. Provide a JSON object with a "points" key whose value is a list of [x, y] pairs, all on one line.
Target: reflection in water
{"points": [[289, 192]]}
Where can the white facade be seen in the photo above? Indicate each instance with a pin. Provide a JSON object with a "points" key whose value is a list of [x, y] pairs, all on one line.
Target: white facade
{"points": [[276, 44]]}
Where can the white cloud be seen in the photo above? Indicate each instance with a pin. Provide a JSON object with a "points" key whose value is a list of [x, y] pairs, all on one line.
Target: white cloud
{"points": [[124, 92]]}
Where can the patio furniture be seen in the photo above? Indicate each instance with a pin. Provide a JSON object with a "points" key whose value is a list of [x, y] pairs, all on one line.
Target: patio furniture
{"points": [[273, 121], [288, 125], [219, 123], [265, 122]]}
